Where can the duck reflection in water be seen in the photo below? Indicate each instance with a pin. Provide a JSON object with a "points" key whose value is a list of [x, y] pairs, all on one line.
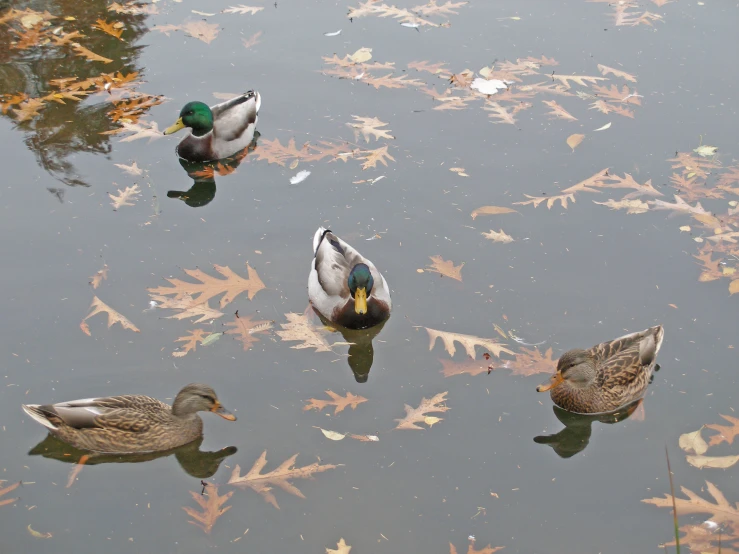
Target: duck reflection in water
{"points": [[576, 434], [361, 349], [195, 463], [203, 174]]}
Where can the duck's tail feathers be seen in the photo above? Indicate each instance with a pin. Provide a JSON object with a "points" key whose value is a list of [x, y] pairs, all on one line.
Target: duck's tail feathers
{"points": [[34, 410], [318, 237]]}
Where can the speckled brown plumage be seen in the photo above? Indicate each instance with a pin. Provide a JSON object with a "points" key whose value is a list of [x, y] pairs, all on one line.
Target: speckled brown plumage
{"points": [[129, 423], [607, 376]]}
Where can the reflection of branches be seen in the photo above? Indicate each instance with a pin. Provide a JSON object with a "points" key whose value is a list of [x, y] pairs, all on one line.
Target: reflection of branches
{"points": [[40, 80]]}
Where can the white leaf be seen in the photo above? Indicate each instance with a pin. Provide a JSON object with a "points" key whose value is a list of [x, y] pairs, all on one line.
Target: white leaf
{"points": [[411, 25], [719, 462], [333, 435], [489, 87], [299, 177], [693, 443], [606, 126], [334, 34]]}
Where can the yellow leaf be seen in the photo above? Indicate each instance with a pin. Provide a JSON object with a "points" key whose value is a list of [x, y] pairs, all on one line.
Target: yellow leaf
{"points": [[418, 415], [717, 462], [341, 548], [333, 435], [685, 229], [491, 210], [693, 443], [445, 268], [39, 535], [573, 141], [430, 420], [362, 55], [734, 286], [498, 237]]}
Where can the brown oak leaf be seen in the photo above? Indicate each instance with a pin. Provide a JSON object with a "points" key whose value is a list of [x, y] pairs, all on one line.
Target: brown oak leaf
{"points": [[445, 267], [336, 400], [98, 306], [418, 415], [245, 328], [211, 505]]}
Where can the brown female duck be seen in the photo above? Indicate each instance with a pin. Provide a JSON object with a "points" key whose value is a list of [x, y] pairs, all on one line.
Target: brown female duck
{"points": [[607, 376], [130, 423]]}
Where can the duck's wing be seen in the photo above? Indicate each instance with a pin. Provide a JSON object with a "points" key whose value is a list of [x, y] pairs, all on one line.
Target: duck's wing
{"points": [[624, 360], [233, 117], [125, 413]]}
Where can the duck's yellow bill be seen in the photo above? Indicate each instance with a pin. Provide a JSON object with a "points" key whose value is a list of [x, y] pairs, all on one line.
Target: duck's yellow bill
{"points": [[218, 409], [360, 301], [178, 125], [554, 380]]}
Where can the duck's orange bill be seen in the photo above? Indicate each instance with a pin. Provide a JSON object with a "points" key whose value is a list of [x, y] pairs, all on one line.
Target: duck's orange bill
{"points": [[223, 412], [554, 380]]}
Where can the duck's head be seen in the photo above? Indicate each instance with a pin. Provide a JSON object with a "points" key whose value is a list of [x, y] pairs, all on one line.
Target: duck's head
{"points": [[577, 367], [360, 285], [195, 115], [197, 397]]}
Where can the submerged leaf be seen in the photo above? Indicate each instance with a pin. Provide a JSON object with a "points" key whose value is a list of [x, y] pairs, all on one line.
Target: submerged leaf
{"points": [[445, 268]]}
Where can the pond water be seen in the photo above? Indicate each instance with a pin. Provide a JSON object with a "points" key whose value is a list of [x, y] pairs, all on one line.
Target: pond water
{"points": [[573, 276]]}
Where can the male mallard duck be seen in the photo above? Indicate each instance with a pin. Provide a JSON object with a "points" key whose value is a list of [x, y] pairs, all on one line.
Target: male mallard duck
{"points": [[130, 423], [217, 131], [607, 376], [344, 286]]}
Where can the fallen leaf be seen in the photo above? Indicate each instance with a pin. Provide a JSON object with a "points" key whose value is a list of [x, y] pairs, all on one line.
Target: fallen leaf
{"points": [[372, 157], [90, 55], [332, 435], [445, 268], [207, 32], [468, 341], [369, 126], [341, 548], [573, 141], [191, 341], [98, 306], [418, 415], [530, 362], [558, 111], [125, 197], [471, 548], [459, 171], [99, 277], [186, 308], [705, 151], [634, 206], [721, 512], [211, 505], [251, 41], [132, 169], [693, 443], [606, 126], [332, 34], [211, 338], [579, 79], [262, 483], [714, 462], [605, 70], [245, 328], [726, 433], [361, 55], [491, 210], [38, 535], [299, 177], [209, 287], [489, 87], [337, 400], [6, 490], [108, 28], [243, 10], [498, 236], [299, 328]]}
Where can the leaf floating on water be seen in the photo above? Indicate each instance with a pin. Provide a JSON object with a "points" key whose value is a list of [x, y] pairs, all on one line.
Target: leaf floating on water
{"points": [[573, 141], [412, 25], [299, 177], [605, 70], [85, 53], [245, 329], [211, 505], [98, 306], [337, 400], [132, 169], [693, 443], [468, 341], [334, 34], [99, 277], [706, 151], [207, 32], [6, 490], [492, 210], [110, 28], [38, 535], [631, 206], [498, 236], [606, 126], [191, 341], [418, 415], [369, 126], [558, 111], [726, 433], [489, 87], [459, 171], [333, 435], [210, 339], [713, 462], [445, 268], [263, 483], [362, 55], [252, 40], [341, 548], [125, 197], [243, 10], [299, 328], [471, 548]]}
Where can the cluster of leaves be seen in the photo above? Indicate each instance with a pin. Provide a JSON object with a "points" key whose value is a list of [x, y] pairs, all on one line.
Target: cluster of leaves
{"points": [[629, 12], [410, 17], [718, 253]]}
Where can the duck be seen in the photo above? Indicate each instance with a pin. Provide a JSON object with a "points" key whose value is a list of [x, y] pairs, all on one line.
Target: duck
{"points": [[218, 131], [607, 376], [130, 423], [344, 286]]}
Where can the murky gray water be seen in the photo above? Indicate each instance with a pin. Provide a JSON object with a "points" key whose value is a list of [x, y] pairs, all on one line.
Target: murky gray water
{"points": [[572, 278]]}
